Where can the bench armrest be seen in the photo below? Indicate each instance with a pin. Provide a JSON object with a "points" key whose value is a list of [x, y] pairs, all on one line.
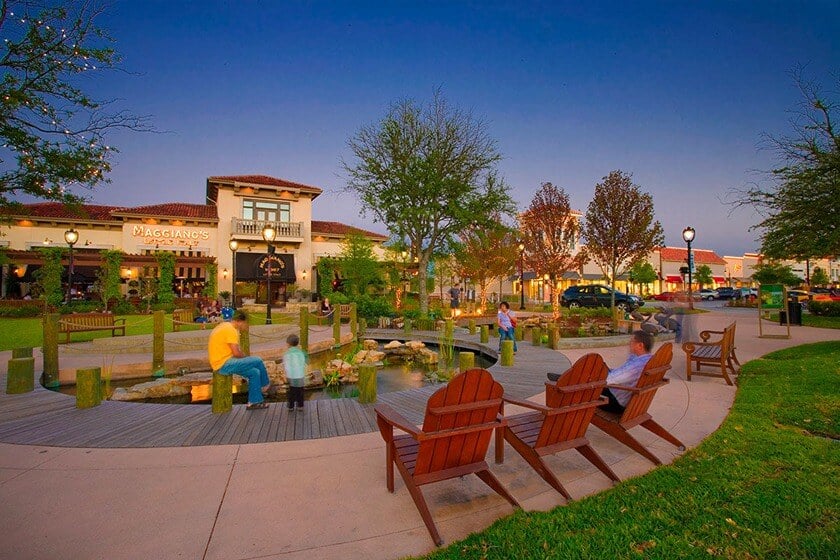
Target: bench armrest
{"points": [[119, 320], [705, 335], [397, 420], [689, 347]]}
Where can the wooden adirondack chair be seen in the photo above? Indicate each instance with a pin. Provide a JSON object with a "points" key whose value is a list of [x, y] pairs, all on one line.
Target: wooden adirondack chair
{"points": [[561, 424], [453, 442], [636, 411]]}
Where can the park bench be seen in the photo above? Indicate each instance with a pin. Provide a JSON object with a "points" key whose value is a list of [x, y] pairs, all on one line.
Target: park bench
{"points": [[181, 317], [91, 322], [719, 354]]}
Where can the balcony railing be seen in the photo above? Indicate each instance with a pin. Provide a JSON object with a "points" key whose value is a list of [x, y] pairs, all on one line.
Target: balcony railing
{"points": [[254, 228]]}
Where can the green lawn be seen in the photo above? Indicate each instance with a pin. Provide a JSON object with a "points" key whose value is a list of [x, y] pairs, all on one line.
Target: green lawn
{"points": [[763, 486], [20, 333], [809, 320]]}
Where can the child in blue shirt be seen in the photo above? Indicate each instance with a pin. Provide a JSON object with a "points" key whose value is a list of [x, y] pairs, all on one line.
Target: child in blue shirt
{"points": [[294, 363]]}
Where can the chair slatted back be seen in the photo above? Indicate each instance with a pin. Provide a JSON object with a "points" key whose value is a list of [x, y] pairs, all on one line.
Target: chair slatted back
{"points": [[468, 407], [652, 374], [583, 383]]}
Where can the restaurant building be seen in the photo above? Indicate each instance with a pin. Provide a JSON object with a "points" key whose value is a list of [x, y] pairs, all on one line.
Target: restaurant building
{"points": [[237, 210]]}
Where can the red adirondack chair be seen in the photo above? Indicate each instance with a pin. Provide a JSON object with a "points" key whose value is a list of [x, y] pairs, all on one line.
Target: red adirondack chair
{"points": [[561, 423], [453, 441], [636, 411]]}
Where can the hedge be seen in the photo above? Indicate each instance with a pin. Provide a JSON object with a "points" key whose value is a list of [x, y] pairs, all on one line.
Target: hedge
{"points": [[825, 308]]}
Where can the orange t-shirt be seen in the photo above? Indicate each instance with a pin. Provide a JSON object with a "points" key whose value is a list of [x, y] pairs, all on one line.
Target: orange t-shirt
{"points": [[218, 348]]}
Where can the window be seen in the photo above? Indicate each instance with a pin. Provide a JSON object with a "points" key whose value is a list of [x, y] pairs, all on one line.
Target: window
{"points": [[266, 211]]}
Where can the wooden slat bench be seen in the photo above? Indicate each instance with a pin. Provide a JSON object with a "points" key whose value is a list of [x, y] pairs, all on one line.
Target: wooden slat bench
{"points": [[91, 322], [719, 354], [181, 317]]}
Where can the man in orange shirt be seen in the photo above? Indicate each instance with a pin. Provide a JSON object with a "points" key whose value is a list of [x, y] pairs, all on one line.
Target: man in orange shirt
{"points": [[227, 358]]}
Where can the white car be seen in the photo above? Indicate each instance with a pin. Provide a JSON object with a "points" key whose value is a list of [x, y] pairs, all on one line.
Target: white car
{"points": [[709, 294]]}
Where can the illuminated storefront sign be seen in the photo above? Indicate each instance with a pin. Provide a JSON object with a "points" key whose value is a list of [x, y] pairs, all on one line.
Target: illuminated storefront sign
{"points": [[161, 236]]}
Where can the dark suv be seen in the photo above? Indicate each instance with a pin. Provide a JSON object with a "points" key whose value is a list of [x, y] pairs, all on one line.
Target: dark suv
{"points": [[597, 295], [726, 292]]}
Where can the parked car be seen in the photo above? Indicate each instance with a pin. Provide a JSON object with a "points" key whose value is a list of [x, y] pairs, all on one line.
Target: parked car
{"points": [[708, 294], [664, 296], [748, 293], [597, 295], [726, 292], [677, 296]]}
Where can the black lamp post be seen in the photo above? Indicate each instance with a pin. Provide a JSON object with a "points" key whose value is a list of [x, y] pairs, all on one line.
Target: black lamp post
{"points": [[688, 236], [70, 236], [234, 245], [521, 276], [268, 233]]}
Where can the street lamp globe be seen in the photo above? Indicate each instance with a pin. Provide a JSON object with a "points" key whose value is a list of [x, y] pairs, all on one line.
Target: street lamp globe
{"points": [[269, 233], [688, 234], [71, 236], [233, 244]]}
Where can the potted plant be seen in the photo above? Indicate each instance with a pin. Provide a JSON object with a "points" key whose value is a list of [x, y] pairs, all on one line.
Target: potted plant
{"points": [[225, 295]]}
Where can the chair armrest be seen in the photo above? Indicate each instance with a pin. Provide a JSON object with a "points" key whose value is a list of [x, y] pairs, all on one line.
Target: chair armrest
{"points": [[120, 320], [526, 404], [644, 389], [705, 335], [394, 418], [575, 388]]}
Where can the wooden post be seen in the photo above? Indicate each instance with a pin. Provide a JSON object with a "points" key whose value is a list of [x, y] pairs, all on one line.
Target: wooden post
{"points": [[507, 353], [304, 329], [354, 324], [158, 363], [245, 342], [472, 326], [536, 336], [367, 384], [20, 376], [466, 360], [519, 332], [449, 328], [406, 325], [222, 393], [553, 338], [88, 387], [50, 350], [485, 335], [22, 352], [362, 327], [337, 326]]}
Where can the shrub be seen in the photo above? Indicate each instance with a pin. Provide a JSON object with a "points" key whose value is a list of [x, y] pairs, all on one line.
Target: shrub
{"points": [[166, 307], [124, 308], [23, 311], [80, 307], [825, 308], [371, 307]]}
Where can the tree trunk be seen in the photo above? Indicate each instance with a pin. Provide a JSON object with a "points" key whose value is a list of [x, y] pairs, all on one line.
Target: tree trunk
{"points": [[422, 274]]}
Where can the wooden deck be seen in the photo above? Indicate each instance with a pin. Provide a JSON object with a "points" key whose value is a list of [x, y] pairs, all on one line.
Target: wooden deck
{"points": [[51, 419]]}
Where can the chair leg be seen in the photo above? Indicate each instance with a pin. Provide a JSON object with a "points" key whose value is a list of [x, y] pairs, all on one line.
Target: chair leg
{"points": [[420, 502], [595, 459], [624, 437], [536, 463], [389, 466], [688, 367], [500, 446], [493, 482], [723, 372], [654, 427]]}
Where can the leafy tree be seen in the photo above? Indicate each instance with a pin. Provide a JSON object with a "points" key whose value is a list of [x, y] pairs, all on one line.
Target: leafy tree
{"points": [[775, 273], [486, 254], [703, 275], [109, 276], [801, 206], [212, 283], [49, 275], [620, 228], [53, 133], [166, 275], [427, 173], [358, 265], [819, 277], [642, 273], [549, 230]]}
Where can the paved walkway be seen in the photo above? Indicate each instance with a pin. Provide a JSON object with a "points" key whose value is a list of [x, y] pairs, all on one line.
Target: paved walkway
{"points": [[316, 498]]}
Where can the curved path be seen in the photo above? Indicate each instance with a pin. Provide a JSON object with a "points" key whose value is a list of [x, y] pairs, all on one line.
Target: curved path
{"points": [[317, 498]]}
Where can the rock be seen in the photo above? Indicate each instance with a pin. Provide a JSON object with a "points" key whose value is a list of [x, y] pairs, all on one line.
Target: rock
{"points": [[427, 356], [394, 344], [415, 344], [374, 356], [370, 344], [271, 367], [151, 390], [360, 356], [315, 378]]}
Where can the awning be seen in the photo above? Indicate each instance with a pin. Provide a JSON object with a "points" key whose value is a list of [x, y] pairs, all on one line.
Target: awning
{"points": [[571, 275], [253, 266], [674, 279], [719, 279], [593, 277]]}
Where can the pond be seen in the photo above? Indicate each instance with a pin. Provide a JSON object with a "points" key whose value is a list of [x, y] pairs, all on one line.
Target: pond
{"points": [[391, 378]]}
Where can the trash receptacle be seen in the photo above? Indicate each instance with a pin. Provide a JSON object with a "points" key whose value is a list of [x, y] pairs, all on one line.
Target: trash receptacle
{"points": [[795, 311], [783, 318]]}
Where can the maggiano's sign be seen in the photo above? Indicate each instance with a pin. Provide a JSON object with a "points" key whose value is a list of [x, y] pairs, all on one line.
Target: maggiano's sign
{"points": [[169, 235]]}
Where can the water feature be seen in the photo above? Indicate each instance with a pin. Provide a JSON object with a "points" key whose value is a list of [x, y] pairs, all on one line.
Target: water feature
{"points": [[391, 378]]}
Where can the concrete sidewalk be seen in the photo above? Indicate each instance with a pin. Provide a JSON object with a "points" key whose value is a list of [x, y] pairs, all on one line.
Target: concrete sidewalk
{"points": [[321, 498]]}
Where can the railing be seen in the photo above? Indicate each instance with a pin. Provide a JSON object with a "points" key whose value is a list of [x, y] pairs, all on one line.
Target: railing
{"points": [[288, 230]]}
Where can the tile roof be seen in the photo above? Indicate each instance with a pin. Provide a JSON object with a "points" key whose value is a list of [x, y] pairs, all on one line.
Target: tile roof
{"points": [[337, 228], [171, 209], [60, 210], [701, 256], [262, 180]]}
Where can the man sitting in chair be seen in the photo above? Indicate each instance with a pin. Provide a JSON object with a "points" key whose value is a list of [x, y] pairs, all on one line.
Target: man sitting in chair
{"points": [[641, 344]]}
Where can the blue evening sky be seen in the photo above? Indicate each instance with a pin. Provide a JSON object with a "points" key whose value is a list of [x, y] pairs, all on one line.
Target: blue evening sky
{"points": [[676, 93]]}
